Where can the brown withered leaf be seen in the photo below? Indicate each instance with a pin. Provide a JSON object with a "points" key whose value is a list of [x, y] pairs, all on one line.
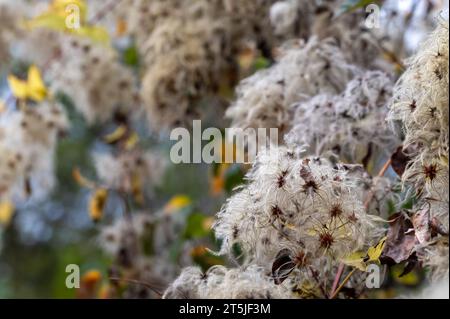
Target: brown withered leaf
{"points": [[422, 225], [401, 240], [282, 266], [399, 160], [437, 228]]}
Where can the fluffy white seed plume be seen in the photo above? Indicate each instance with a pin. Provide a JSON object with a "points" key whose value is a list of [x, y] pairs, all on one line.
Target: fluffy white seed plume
{"points": [[307, 18], [265, 99], [184, 67], [122, 239], [420, 100], [420, 109], [28, 139], [128, 169], [283, 15], [221, 283], [300, 207], [94, 78], [351, 124], [192, 51], [89, 73]]}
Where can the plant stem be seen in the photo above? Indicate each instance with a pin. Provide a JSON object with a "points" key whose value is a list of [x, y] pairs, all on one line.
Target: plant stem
{"points": [[337, 278], [341, 268], [346, 279]]}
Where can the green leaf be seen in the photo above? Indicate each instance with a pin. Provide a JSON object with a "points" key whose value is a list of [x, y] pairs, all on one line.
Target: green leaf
{"points": [[131, 56], [195, 227], [352, 5], [233, 177], [391, 207], [409, 204], [261, 63]]}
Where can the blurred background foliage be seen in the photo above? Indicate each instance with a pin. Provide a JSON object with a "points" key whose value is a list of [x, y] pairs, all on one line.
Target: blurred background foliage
{"points": [[45, 237]]}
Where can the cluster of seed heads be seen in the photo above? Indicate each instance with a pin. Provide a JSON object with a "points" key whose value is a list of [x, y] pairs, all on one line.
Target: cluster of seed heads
{"points": [[301, 206], [419, 112]]}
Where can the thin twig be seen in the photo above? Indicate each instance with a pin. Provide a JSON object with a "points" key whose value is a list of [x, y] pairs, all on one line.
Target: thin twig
{"points": [[343, 283], [366, 205], [137, 282], [337, 278]]}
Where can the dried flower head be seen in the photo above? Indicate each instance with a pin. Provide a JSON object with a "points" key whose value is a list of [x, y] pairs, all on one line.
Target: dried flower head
{"points": [[221, 283], [91, 74], [315, 212], [122, 240], [420, 108], [191, 52], [350, 125], [303, 70], [129, 170], [28, 139]]}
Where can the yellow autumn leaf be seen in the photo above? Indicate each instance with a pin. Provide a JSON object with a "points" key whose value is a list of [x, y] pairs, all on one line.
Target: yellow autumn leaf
{"points": [[217, 182], [33, 88], [18, 87], [6, 212], [57, 12], [121, 27], [65, 7], [136, 188], [47, 20], [131, 141], [58, 23], [410, 279], [81, 180], [374, 253], [356, 260], [38, 90], [97, 204], [115, 136], [57, 15], [217, 185], [177, 203], [360, 260]]}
